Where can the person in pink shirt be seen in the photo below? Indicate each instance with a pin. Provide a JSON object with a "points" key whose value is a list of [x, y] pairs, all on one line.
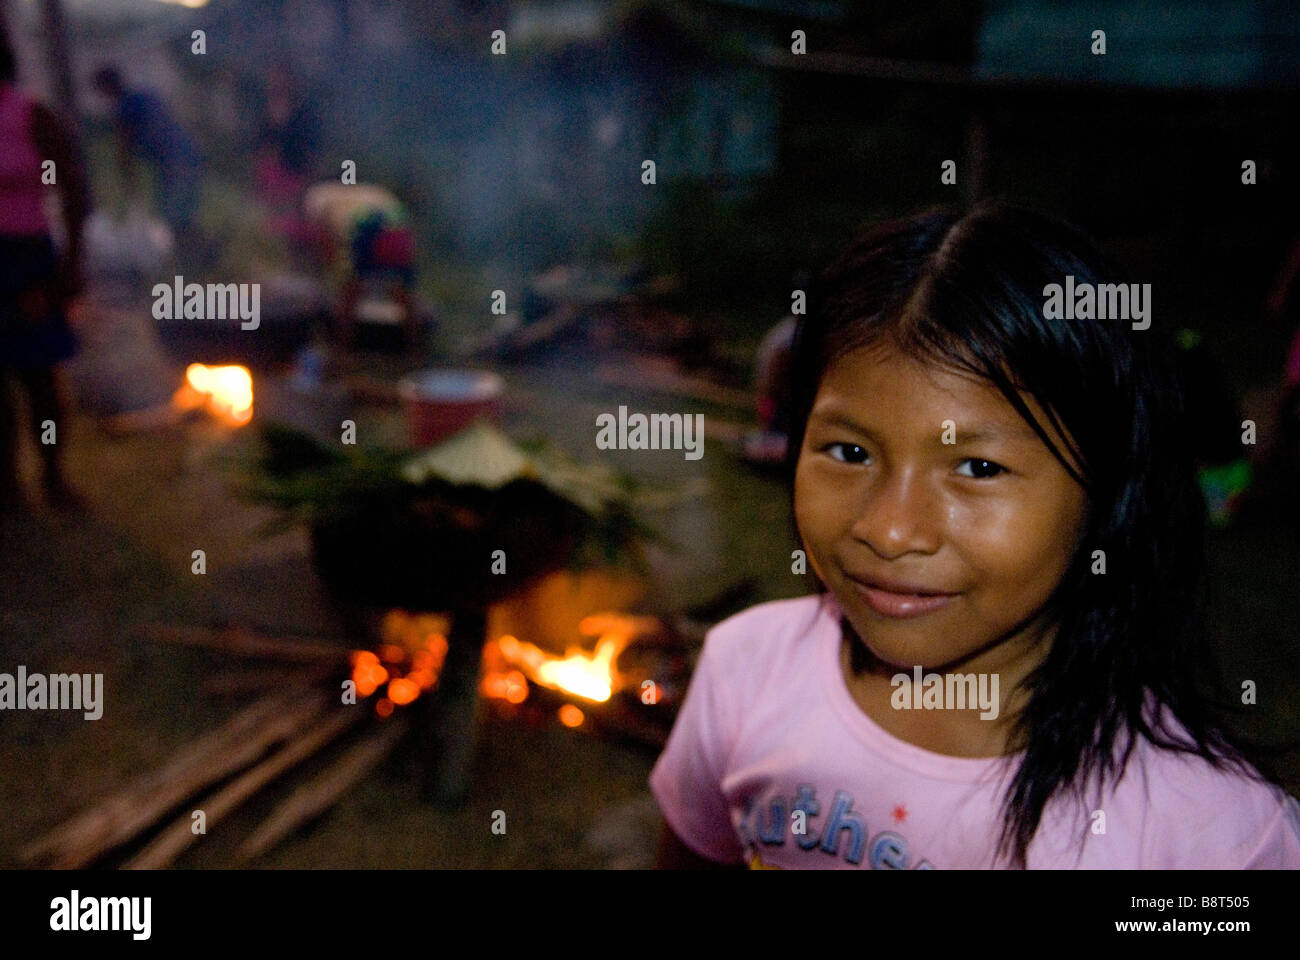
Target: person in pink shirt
{"points": [[1000, 513], [36, 281]]}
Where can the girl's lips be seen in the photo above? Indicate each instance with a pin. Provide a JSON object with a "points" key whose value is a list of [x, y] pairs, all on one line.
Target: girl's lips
{"points": [[902, 605]]}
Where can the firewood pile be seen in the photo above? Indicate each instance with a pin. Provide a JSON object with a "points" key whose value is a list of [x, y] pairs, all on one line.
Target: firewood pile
{"points": [[299, 714]]}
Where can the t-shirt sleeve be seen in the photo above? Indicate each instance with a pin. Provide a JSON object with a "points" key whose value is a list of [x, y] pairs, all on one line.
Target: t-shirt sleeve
{"points": [[1221, 820], [687, 780], [1279, 848]]}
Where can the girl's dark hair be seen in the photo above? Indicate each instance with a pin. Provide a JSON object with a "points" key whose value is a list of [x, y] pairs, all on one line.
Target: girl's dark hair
{"points": [[966, 292]]}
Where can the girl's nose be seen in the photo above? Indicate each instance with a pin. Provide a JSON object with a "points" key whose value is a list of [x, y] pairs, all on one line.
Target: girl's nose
{"points": [[898, 515]]}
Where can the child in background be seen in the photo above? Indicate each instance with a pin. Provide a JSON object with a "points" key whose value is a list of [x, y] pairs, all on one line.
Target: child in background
{"points": [[991, 497], [370, 228]]}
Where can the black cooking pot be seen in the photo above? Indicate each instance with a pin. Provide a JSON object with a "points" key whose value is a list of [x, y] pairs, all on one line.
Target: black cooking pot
{"points": [[435, 548]]}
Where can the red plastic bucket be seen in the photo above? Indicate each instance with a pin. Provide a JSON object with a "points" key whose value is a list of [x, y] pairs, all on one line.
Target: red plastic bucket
{"points": [[439, 403]]}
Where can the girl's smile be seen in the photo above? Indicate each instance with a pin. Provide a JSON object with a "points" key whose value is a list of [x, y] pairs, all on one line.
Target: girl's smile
{"points": [[909, 603], [941, 554]]}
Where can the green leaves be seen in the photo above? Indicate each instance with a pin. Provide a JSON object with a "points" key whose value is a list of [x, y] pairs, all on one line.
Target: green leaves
{"points": [[479, 471]]}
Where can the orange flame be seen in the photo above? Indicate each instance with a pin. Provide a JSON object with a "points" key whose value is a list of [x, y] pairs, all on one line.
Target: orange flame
{"points": [[227, 392], [587, 675], [414, 647], [590, 675]]}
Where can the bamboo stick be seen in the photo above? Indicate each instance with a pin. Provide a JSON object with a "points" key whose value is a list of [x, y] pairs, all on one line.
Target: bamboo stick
{"points": [[238, 683], [247, 643], [315, 797], [176, 838], [195, 755], [111, 822]]}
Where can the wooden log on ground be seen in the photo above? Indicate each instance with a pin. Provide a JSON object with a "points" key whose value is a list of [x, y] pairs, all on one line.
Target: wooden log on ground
{"points": [[315, 797], [109, 823], [176, 838], [239, 683], [247, 643]]}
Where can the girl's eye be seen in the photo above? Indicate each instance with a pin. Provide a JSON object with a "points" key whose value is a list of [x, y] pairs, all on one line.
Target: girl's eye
{"points": [[847, 452], [984, 469]]}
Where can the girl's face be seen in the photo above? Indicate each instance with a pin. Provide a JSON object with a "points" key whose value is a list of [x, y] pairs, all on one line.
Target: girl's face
{"points": [[991, 517]]}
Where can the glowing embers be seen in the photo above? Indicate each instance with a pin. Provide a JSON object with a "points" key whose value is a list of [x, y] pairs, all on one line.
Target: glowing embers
{"points": [[407, 663]]}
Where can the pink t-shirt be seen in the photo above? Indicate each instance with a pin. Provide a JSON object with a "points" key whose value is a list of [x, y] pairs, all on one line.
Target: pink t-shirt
{"points": [[769, 728], [22, 197]]}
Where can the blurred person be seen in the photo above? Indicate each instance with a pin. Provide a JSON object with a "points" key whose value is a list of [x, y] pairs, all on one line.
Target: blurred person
{"points": [[287, 152], [964, 689], [767, 446], [37, 283], [370, 232], [147, 132]]}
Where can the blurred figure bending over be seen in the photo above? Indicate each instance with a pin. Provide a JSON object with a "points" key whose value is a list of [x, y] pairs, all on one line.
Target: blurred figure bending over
{"points": [[147, 131]]}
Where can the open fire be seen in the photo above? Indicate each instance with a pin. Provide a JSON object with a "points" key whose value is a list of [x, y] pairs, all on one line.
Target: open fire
{"points": [[510, 664], [413, 647], [226, 392]]}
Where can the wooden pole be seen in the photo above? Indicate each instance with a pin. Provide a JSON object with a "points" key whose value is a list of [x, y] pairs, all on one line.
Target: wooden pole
{"points": [[316, 796], [180, 835], [247, 643], [451, 716], [114, 820]]}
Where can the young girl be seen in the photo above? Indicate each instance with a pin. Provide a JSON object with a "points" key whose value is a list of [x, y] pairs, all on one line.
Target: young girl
{"points": [[1002, 517]]}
